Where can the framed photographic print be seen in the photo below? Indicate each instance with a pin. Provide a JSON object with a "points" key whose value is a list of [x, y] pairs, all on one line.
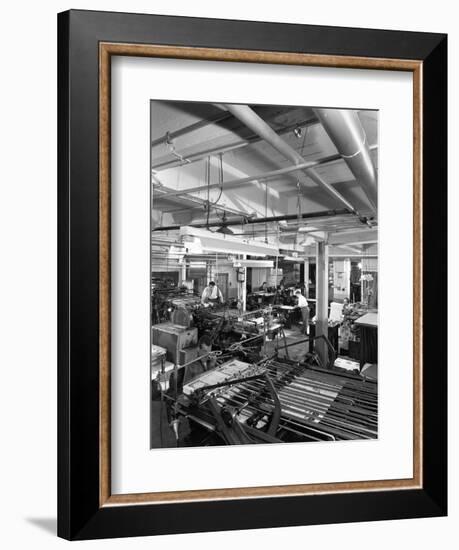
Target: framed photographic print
{"points": [[252, 274]]}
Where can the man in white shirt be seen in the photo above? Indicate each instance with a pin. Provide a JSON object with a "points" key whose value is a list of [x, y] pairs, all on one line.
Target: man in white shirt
{"points": [[211, 294], [303, 305]]}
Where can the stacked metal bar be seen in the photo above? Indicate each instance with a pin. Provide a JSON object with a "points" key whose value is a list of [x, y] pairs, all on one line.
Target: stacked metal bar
{"points": [[315, 404]]}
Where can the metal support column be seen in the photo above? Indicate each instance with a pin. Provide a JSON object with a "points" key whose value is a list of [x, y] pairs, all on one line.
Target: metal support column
{"points": [[347, 275], [306, 277], [322, 300], [182, 273], [244, 287]]}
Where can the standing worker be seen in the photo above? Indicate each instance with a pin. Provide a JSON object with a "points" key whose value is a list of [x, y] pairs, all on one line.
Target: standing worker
{"points": [[303, 305], [211, 295]]}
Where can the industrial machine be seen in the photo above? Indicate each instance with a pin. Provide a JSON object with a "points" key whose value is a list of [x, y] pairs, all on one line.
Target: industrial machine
{"points": [[275, 401], [167, 298], [175, 339]]}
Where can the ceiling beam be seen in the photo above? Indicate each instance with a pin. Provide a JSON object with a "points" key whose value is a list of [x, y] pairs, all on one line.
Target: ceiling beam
{"points": [[168, 136], [351, 248], [369, 236], [200, 203], [250, 140], [249, 179]]}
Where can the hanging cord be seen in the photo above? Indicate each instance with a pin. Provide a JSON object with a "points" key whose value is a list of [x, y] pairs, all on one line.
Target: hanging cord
{"points": [[170, 144], [298, 207], [220, 180], [298, 203], [277, 262], [266, 212], [208, 189], [220, 177], [306, 130], [359, 150]]}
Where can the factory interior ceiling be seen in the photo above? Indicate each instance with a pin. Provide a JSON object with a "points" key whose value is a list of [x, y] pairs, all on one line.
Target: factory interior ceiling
{"points": [[268, 173]]}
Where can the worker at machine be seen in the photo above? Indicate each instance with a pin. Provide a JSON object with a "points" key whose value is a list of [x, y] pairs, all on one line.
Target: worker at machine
{"points": [[264, 287], [346, 306], [211, 295], [204, 362], [304, 307]]}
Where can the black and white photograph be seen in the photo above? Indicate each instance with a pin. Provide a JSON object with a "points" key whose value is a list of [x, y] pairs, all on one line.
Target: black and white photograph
{"points": [[264, 274]]}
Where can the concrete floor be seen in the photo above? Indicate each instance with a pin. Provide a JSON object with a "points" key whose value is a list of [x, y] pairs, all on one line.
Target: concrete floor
{"points": [[295, 352]]}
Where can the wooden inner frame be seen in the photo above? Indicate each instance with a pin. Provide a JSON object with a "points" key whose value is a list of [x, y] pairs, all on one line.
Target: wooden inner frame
{"points": [[106, 51]]}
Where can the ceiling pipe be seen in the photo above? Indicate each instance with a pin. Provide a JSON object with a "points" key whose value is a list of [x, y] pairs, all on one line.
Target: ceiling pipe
{"points": [[348, 135], [221, 223], [246, 115]]}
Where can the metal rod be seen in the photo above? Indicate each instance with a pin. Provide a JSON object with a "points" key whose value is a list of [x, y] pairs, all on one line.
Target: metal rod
{"points": [[200, 203], [240, 181], [221, 223]]}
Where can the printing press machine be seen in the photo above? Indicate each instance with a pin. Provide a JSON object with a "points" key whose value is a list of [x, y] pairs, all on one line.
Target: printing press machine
{"points": [[226, 326], [260, 299], [164, 301], [277, 400]]}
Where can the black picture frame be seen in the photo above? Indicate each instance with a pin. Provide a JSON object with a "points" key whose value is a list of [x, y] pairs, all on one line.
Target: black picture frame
{"points": [[80, 515]]}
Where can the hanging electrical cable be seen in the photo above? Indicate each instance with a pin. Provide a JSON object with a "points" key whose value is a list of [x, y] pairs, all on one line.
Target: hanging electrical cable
{"points": [[208, 189], [220, 180], [298, 208], [266, 211], [277, 257]]}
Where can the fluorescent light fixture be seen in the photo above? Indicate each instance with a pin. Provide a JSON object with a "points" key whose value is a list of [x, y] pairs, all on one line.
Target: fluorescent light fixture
{"points": [[211, 241], [294, 259], [254, 263], [307, 228]]}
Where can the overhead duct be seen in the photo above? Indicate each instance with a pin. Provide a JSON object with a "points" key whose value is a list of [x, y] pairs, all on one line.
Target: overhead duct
{"points": [[246, 115], [347, 134]]}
